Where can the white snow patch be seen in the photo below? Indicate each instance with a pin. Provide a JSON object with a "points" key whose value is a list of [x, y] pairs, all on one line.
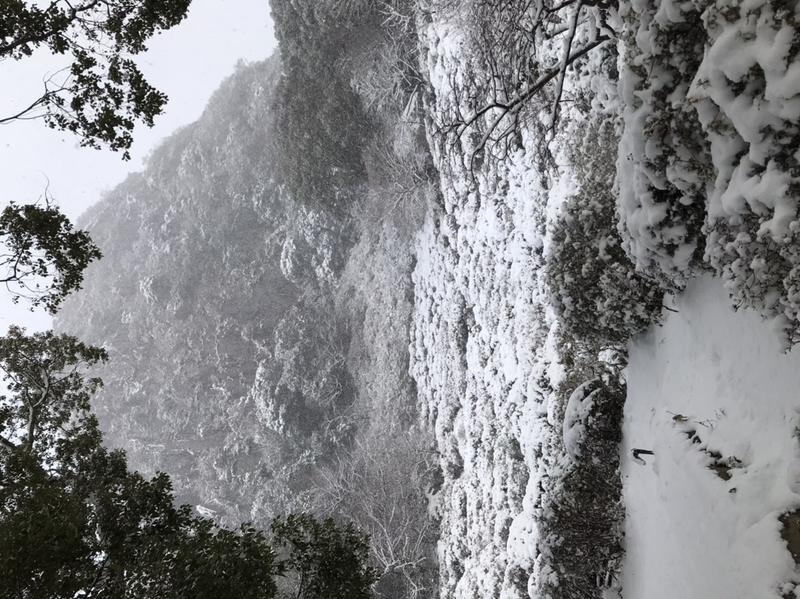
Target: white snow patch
{"points": [[690, 533], [579, 408]]}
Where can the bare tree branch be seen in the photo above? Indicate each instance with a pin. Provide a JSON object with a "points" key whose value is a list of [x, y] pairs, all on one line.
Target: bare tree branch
{"points": [[7, 444], [516, 104], [564, 65]]}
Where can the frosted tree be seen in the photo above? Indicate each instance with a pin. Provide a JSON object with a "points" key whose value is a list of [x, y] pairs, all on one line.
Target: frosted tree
{"points": [[748, 103], [514, 83], [664, 165], [594, 287]]}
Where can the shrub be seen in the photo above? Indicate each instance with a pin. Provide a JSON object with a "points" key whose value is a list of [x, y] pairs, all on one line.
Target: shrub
{"points": [[664, 163], [582, 514], [594, 287], [753, 222]]}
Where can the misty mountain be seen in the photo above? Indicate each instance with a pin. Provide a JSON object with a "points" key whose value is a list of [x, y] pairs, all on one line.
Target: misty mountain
{"points": [[204, 255]]}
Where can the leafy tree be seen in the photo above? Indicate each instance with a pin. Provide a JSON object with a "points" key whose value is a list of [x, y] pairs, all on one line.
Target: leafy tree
{"points": [[42, 257], [98, 96], [323, 560], [102, 92], [46, 390], [75, 522], [88, 527]]}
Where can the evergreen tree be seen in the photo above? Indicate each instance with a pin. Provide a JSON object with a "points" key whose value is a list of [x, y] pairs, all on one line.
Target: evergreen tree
{"points": [[75, 522], [102, 93]]}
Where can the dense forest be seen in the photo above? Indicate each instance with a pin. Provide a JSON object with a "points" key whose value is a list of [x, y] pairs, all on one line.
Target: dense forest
{"points": [[244, 300]]}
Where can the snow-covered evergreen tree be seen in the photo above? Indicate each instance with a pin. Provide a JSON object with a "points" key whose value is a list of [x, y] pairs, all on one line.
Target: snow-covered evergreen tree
{"points": [[748, 100], [594, 287], [663, 167]]}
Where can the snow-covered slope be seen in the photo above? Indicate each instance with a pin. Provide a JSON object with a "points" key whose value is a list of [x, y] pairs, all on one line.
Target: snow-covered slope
{"points": [[196, 301], [712, 395], [482, 350], [478, 355]]}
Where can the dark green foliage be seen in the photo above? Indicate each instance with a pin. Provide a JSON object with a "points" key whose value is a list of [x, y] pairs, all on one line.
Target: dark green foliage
{"points": [[323, 560], [46, 389], [75, 522], [88, 524], [43, 257], [73, 518], [582, 513], [103, 92], [43, 551], [594, 286], [207, 562], [319, 124]]}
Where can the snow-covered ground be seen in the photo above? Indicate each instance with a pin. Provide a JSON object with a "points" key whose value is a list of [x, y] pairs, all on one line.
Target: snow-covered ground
{"points": [[483, 343], [479, 354], [710, 386], [478, 357], [710, 392]]}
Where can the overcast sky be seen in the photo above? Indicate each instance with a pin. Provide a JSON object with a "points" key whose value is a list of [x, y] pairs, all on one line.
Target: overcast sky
{"points": [[187, 62]]}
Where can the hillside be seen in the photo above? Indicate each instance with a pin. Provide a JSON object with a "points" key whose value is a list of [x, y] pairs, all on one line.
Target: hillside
{"points": [[552, 252], [257, 343], [449, 267], [188, 297]]}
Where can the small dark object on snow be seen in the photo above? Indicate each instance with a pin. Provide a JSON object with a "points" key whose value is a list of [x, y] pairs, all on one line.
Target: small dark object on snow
{"points": [[722, 467], [640, 452]]}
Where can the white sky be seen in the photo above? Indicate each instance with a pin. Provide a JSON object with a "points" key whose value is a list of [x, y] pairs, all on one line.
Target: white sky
{"points": [[187, 62]]}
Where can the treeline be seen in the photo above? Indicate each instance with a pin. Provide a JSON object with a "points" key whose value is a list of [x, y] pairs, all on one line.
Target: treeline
{"points": [[199, 307], [349, 135], [76, 520]]}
